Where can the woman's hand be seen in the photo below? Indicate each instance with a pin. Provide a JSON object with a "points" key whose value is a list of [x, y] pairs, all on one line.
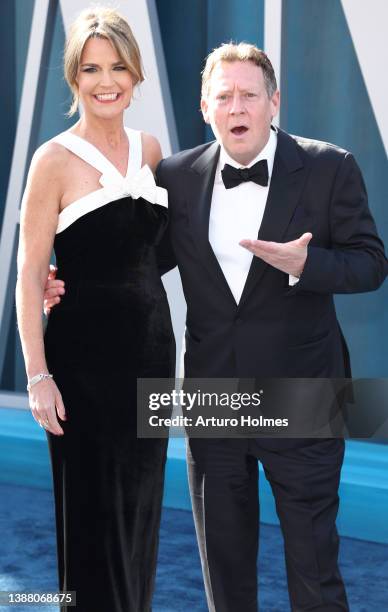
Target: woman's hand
{"points": [[45, 403], [38, 223]]}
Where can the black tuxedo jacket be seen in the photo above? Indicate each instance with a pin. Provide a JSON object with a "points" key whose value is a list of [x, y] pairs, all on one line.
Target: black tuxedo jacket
{"points": [[275, 330]]}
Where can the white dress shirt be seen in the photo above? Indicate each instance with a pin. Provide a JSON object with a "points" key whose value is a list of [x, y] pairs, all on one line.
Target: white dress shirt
{"points": [[236, 214]]}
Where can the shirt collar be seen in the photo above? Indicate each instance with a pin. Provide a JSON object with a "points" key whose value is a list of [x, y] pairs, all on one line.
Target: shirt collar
{"points": [[268, 153]]}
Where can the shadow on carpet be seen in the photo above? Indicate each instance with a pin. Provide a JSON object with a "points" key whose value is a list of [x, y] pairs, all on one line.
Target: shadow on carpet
{"points": [[27, 560]]}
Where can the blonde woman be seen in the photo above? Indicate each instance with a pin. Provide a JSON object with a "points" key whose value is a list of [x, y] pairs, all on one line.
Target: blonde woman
{"points": [[91, 195]]}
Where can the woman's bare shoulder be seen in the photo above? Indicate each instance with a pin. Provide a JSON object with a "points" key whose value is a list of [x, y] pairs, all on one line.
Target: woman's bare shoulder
{"points": [[152, 153], [50, 156], [48, 171]]}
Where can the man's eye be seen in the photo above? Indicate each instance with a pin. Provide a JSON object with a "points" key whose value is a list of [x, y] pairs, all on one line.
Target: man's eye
{"points": [[251, 95], [222, 97]]}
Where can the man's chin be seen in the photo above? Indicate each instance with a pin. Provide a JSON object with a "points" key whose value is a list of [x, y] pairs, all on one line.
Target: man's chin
{"points": [[241, 154]]}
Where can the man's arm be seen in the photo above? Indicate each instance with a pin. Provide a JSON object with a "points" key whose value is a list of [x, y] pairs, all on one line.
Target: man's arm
{"points": [[53, 290], [355, 262], [288, 257]]}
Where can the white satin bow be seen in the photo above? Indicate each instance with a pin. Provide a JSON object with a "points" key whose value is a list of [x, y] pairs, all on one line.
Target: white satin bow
{"points": [[139, 185]]}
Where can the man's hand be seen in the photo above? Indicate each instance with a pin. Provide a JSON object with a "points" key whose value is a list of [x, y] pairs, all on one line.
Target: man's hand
{"points": [[53, 290], [289, 257]]}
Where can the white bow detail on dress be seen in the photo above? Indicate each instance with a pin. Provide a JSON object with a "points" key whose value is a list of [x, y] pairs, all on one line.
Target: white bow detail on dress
{"points": [[139, 185]]}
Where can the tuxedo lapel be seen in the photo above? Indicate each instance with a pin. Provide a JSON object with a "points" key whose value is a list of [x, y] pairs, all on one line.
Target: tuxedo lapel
{"points": [[200, 189], [286, 185]]}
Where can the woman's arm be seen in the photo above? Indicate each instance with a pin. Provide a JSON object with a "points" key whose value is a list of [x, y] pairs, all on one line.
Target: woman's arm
{"points": [[152, 153], [38, 223]]}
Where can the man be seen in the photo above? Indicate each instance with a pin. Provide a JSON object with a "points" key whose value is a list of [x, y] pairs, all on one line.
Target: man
{"points": [[264, 308]]}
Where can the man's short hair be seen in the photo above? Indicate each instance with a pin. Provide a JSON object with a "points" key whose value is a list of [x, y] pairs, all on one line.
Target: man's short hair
{"points": [[241, 52]]}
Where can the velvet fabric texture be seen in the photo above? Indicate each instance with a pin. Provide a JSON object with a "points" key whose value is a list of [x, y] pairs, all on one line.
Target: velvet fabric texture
{"points": [[112, 326]]}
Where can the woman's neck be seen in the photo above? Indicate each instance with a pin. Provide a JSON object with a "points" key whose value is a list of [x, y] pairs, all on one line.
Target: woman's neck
{"points": [[105, 133]]}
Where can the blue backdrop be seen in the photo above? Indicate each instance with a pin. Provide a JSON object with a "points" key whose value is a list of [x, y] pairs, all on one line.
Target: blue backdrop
{"points": [[323, 96]]}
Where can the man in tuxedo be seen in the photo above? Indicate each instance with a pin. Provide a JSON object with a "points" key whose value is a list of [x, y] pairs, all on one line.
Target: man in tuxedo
{"points": [[265, 228]]}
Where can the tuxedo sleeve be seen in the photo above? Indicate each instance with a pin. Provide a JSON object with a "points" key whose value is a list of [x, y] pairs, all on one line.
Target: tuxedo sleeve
{"points": [[355, 261], [164, 252]]}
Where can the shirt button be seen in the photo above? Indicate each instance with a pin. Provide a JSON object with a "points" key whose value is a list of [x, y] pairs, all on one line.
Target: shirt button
{"points": [[238, 320]]}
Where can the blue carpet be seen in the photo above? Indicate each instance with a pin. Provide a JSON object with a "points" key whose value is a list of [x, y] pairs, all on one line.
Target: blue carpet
{"points": [[27, 559]]}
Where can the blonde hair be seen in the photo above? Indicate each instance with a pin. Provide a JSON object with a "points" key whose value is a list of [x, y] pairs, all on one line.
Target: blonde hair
{"points": [[100, 22], [241, 52]]}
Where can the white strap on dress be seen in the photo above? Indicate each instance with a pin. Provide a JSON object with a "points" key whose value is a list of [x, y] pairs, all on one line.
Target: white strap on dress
{"points": [[138, 182]]}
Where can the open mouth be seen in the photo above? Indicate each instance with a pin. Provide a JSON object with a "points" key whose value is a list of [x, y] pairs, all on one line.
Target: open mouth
{"points": [[239, 130], [108, 97]]}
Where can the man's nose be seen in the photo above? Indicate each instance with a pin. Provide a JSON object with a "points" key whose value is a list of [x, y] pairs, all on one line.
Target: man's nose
{"points": [[237, 106]]}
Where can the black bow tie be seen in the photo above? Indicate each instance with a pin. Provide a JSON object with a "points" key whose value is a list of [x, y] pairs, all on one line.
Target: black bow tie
{"points": [[258, 173]]}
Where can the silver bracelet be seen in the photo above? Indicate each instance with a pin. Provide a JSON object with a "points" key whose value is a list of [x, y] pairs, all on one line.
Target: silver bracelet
{"points": [[37, 378]]}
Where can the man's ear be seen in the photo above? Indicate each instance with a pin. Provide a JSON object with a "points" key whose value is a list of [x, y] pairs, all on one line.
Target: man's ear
{"points": [[204, 109], [275, 103]]}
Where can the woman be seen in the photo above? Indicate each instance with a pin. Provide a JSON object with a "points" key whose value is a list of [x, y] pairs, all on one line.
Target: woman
{"points": [[91, 194]]}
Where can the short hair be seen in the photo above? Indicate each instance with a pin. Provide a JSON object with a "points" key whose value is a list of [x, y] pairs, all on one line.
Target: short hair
{"points": [[241, 52], [100, 22]]}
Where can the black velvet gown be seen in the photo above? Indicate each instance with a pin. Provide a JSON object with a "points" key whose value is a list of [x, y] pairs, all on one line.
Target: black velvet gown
{"points": [[112, 326]]}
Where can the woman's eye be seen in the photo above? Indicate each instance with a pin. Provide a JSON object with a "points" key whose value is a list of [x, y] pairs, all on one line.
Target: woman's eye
{"points": [[93, 69]]}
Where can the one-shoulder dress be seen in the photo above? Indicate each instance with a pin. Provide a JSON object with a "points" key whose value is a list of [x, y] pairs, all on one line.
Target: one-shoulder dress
{"points": [[112, 326]]}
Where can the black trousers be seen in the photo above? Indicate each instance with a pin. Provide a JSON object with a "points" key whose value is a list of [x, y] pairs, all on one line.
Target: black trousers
{"points": [[223, 477]]}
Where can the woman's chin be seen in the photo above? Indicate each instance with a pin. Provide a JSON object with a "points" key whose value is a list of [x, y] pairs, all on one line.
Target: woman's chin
{"points": [[105, 112]]}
